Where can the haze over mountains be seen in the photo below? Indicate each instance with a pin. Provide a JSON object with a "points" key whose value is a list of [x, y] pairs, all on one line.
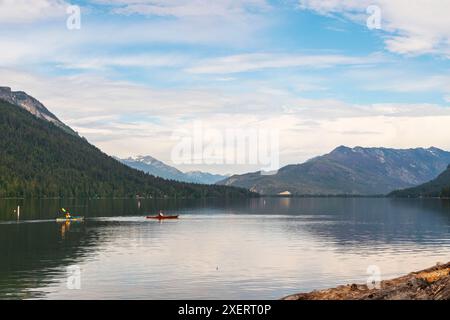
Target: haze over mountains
{"points": [[41, 157], [158, 168], [350, 171]]}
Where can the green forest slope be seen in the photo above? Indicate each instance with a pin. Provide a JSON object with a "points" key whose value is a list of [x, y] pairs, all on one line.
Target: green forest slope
{"points": [[439, 187], [38, 159]]}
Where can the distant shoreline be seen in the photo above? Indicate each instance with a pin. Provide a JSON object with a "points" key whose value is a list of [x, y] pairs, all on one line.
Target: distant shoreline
{"points": [[231, 198], [132, 198], [349, 196], [323, 196]]}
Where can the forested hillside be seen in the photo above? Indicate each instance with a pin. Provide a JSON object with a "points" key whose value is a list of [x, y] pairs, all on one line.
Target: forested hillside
{"points": [[439, 187], [38, 159]]}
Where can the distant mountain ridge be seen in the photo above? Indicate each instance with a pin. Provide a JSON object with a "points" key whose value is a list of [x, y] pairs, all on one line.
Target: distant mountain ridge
{"points": [[350, 171], [439, 187], [204, 177], [158, 168], [33, 106]]}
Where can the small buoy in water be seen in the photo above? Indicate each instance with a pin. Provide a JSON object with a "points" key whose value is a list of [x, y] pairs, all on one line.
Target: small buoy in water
{"points": [[17, 212]]}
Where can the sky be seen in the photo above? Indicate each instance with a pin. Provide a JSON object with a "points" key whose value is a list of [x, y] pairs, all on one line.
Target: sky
{"points": [[137, 74]]}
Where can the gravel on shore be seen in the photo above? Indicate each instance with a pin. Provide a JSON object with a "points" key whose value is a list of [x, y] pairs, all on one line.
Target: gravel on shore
{"points": [[429, 284]]}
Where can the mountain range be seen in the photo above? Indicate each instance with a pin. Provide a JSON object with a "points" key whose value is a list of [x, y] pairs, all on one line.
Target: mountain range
{"points": [[439, 187], [42, 157], [158, 168], [350, 171]]}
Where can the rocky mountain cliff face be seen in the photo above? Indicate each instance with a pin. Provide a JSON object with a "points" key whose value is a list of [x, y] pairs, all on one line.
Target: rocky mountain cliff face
{"points": [[33, 106], [153, 166], [350, 171]]}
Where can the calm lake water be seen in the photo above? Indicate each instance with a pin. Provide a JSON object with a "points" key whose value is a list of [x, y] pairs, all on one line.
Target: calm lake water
{"points": [[248, 249]]}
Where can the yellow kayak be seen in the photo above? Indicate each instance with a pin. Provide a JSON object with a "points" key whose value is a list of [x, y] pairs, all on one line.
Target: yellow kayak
{"points": [[70, 219]]}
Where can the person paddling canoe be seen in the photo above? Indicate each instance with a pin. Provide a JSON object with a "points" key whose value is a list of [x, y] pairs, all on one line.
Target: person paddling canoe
{"points": [[160, 214]]}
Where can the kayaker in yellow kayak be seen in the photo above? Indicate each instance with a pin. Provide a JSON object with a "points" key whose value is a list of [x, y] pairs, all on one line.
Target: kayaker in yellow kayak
{"points": [[66, 213]]}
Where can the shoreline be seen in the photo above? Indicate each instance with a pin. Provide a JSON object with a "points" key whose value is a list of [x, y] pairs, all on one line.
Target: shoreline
{"points": [[428, 284]]}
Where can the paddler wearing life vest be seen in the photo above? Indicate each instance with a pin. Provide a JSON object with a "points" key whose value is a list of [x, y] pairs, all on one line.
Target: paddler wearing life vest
{"points": [[66, 213]]}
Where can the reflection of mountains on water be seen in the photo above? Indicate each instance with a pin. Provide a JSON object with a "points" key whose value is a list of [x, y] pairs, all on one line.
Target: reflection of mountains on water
{"points": [[368, 223], [35, 254], [363, 222]]}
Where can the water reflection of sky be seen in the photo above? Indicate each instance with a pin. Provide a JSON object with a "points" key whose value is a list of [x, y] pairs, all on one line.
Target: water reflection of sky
{"points": [[265, 248]]}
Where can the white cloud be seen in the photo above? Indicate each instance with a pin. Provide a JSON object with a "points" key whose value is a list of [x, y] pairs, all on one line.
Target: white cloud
{"points": [[413, 27], [123, 118], [400, 83], [400, 80], [25, 11], [348, 7], [260, 61], [409, 44], [127, 119], [93, 47], [187, 8], [137, 60]]}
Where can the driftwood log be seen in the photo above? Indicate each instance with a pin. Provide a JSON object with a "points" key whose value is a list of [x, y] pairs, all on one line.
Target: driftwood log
{"points": [[429, 284]]}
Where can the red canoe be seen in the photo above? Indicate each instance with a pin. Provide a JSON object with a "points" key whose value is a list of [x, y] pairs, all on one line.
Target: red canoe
{"points": [[162, 217]]}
